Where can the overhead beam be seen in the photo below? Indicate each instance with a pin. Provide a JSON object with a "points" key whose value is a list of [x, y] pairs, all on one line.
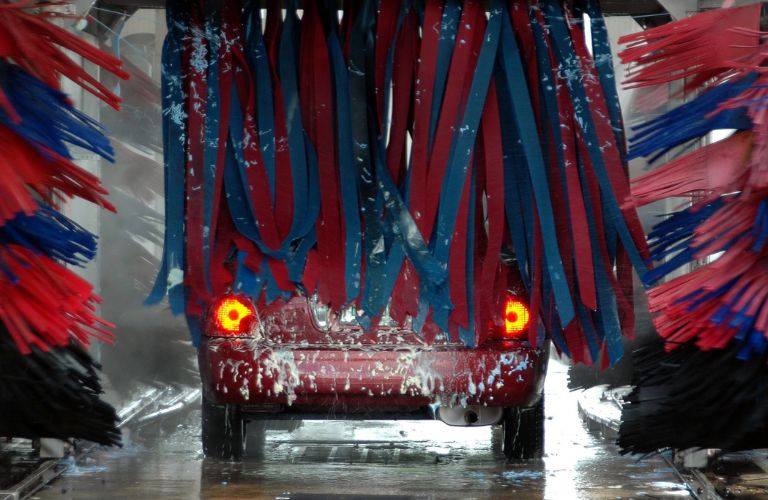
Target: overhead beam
{"points": [[610, 7], [716, 4], [680, 9], [647, 13]]}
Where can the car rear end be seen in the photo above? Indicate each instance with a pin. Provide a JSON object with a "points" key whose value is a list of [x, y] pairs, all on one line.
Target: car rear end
{"points": [[298, 359]]}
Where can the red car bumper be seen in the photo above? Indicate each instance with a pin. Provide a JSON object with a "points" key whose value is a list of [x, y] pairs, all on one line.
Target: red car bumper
{"points": [[246, 372]]}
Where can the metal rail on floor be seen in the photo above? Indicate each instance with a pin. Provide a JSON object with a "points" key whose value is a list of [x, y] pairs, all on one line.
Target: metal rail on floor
{"points": [[45, 472], [598, 406], [161, 402]]}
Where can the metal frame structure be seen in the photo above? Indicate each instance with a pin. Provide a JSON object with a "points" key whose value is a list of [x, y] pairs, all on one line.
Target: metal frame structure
{"points": [[647, 13]]}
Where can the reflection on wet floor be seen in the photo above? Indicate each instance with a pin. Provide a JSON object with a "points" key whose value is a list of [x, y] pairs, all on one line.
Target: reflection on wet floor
{"points": [[408, 460]]}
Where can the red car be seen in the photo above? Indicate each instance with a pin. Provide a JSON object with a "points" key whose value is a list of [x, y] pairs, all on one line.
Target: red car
{"points": [[297, 359]]}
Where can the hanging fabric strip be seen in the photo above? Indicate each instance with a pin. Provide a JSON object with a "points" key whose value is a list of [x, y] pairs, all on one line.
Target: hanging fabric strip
{"points": [[360, 45], [492, 183], [468, 333], [511, 66], [550, 93], [383, 160], [258, 61], [196, 61], [456, 205], [304, 213], [618, 256], [407, 240], [603, 61], [544, 88], [423, 112], [448, 31], [613, 182], [317, 111], [561, 116], [347, 177], [220, 32], [170, 277], [386, 26]]}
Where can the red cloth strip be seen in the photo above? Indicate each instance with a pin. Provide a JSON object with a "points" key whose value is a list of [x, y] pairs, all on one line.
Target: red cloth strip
{"points": [[459, 78], [405, 295], [272, 29], [425, 83], [407, 286], [457, 263], [318, 101], [230, 13], [493, 185], [403, 79], [617, 170], [582, 244], [195, 46], [258, 185]]}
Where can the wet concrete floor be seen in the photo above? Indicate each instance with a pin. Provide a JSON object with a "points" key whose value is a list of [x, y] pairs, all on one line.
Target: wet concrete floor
{"points": [[393, 460]]}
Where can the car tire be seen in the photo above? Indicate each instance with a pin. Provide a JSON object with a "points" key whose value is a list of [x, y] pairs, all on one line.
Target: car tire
{"points": [[523, 432], [223, 431], [257, 432]]}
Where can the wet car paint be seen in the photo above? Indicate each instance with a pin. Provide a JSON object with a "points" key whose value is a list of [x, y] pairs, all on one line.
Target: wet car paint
{"points": [[241, 371], [372, 459]]}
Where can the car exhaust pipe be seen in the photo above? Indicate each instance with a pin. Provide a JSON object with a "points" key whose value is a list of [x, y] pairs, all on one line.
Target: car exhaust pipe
{"points": [[470, 416]]}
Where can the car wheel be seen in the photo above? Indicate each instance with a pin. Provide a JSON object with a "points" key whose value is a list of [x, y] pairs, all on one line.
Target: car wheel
{"points": [[283, 425], [257, 432], [223, 431], [523, 432]]}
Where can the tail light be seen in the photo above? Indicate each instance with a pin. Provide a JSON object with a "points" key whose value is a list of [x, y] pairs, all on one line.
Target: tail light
{"points": [[513, 321], [233, 315]]}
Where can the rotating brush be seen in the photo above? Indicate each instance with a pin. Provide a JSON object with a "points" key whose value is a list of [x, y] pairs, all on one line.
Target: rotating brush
{"points": [[47, 312], [708, 390]]}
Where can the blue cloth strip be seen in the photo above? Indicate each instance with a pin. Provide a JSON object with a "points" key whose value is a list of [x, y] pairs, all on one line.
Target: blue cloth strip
{"points": [[347, 176], [564, 52], [510, 63], [405, 235], [247, 282], [468, 335], [603, 57], [517, 205], [170, 276], [304, 216], [448, 30], [258, 60], [360, 50], [461, 154]]}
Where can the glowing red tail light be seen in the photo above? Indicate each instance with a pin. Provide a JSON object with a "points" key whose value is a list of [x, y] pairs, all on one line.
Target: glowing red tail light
{"points": [[516, 318], [512, 322], [233, 316]]}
